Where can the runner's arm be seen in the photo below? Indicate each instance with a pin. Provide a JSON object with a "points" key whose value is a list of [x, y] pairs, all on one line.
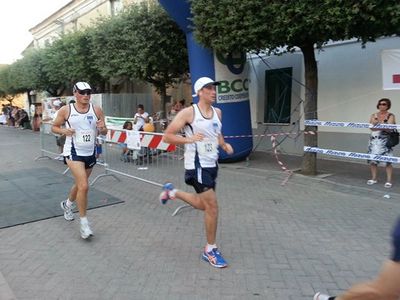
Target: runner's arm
{"points": [[60, 120], [184, 117], [101, 123]]}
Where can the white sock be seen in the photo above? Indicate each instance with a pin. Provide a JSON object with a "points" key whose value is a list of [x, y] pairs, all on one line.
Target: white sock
{"points": [[84, 220], [69, 203], [210, 247]]}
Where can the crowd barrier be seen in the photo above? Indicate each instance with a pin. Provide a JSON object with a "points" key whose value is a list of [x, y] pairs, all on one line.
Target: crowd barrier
{"points": [[149, 159], [48, 144], [347, 154]]}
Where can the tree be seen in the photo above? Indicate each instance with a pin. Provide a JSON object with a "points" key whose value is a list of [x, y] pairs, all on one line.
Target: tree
{"points": [[141, 43], [68, 60], [252, 25]]}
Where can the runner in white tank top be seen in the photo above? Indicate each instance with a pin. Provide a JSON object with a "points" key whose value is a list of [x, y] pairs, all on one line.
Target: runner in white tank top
{"points": [[202, 125], [82, 121], [206, 149], [83, 142]]}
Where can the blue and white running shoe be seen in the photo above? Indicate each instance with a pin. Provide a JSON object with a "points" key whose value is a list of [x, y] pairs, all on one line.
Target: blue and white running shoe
{"points": [[215, 258], [165, 194]]}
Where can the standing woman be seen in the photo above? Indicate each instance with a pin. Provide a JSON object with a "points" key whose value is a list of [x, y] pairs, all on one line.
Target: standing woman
{"points": [[378, 139]]}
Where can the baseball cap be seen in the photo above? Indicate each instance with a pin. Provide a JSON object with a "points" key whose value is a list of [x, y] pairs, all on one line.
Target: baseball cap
{"points": [[81, 85], [202, 82], [57, 103]]}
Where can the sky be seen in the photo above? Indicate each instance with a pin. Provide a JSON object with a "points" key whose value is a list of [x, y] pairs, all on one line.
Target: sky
{"points": [[16, 18]]}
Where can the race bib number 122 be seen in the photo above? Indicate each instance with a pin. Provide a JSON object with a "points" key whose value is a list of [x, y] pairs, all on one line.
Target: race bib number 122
{"points": [[85, 137], [207, 147]]}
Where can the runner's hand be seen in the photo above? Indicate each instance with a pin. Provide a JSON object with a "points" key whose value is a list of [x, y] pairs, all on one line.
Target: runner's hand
{"points": [[227, 148], [100, 124], [69, 131], [197, 137]]}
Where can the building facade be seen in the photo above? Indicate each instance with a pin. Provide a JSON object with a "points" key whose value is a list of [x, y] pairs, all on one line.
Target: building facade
{"points": [[350, 83]]}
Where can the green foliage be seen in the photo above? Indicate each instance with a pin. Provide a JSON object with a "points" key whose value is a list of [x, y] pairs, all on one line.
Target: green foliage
{"points": [[228, 25], [142, 43], [281, 25], [4, 80]]}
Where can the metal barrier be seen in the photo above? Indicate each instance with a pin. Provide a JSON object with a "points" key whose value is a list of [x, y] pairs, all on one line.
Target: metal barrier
{"points": [[154, 162], [48, 144]]}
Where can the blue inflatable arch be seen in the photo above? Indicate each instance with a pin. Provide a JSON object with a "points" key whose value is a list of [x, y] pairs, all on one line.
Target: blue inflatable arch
{"points": [[232, 94]]}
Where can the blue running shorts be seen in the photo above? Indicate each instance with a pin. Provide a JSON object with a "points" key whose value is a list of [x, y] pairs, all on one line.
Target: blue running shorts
{"points": [[89, 161], [202, 179]]}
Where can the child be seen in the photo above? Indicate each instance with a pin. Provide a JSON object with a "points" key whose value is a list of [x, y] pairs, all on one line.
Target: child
{"points": [[125, 151]]}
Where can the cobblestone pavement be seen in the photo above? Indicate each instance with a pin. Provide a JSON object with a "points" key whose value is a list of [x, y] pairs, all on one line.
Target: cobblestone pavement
{"points": [[282, 242]]}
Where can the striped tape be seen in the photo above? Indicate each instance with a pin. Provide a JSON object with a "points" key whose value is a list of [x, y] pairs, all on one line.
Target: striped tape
{"points": [[147, 139], [350, 124], [280, 163], [269, 134], [357, 155]]}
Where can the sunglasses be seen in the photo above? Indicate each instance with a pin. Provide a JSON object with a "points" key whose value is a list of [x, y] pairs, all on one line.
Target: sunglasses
{"points": [[209, 87], [383, 104], [85, 92]]}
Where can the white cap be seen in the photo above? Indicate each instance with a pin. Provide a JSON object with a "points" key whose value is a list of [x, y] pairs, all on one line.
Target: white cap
{"points": [[57, 103], [81, 86], [202, 82]]}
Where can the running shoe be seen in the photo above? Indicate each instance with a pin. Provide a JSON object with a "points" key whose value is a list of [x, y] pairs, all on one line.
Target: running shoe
{"points": [[86, 232], [319, 296], [68, 213], [215, 258], [165, 194]]}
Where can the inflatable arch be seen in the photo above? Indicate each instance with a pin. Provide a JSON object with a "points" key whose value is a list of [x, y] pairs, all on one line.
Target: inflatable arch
{"points": [[232, 94]]}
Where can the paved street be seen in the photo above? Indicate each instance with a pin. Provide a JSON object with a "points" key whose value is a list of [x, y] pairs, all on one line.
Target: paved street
{"points": [[282, 242]]}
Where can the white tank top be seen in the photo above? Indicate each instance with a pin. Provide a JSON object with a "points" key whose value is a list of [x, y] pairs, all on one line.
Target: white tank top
{"points": [[204, 153], [83, 142]]}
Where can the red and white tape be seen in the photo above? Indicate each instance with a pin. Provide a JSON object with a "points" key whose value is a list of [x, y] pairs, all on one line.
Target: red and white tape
{"points": [[280, 163], [269, 134], [147, 139]]}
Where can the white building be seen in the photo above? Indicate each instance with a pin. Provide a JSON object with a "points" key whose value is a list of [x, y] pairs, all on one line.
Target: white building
{"points": [[350, 84]]}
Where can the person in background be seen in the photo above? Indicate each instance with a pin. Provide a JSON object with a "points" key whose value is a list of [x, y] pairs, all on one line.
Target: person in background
{"points": [[82, 121], [125, 151], [11, 115], [60, 139], [378, 141], [140, 118], [23, 119], [16, 117], [99, 149], [174, 109]]}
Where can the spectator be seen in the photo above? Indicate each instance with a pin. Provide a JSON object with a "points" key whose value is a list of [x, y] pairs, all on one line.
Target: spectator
{"points": [[3, 119], [125, 151], [378, 139], [15, 115], [23, 119], [60, 139], [140, 118], [11, 115], [176, 107]]}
